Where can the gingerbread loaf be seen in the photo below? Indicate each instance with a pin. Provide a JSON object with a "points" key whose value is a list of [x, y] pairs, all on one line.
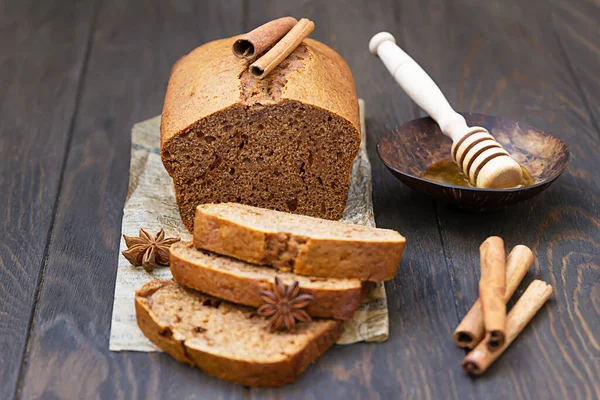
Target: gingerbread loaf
{"points": [[286, 142]]}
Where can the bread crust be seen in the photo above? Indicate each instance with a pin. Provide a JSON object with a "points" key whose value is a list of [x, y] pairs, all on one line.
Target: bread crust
{"points": [[238, 371], [323, 257], [207, 81], [328, 303]]}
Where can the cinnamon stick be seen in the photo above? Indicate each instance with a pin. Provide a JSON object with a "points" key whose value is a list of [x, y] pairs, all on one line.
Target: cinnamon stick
{"points": [[264, 65], [471, 331], [492, 286], [255, 42], [480, 358]]}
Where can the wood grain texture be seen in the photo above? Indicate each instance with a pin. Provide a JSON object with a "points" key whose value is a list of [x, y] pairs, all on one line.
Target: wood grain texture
{"points": [[42, 52], [134, 45], [533, 61], [513, 66], [576, 26]]}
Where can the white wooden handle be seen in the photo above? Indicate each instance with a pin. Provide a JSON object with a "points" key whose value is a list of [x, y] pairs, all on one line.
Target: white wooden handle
{"points": [[418, 85]]}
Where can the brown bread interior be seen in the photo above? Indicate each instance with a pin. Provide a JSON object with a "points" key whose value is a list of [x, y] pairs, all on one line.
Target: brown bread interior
{"points": [[290, 157], [241, 282], [228, 341]]}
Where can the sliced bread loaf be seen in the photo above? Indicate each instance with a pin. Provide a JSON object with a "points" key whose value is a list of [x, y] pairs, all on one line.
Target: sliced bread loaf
{"points": [[298, 243], [285, 142], [225, 340], [240, 282]]}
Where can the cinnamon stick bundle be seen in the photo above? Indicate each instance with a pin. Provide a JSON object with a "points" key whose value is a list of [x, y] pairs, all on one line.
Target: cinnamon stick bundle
{"points": [[492, 286], [255, 42], [264, 65], [480, 358], [471, 330]]}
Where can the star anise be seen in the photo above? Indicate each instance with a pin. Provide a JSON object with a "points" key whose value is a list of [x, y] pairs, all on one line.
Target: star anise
{"points": [[148, 251], [284, 305]]}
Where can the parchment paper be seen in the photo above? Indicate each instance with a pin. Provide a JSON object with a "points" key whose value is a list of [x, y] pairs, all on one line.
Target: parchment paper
{"points": [[151, 204]]}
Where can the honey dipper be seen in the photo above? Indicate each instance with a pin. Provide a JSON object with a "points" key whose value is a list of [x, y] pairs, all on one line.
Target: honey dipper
{"points": [[481, 158]]}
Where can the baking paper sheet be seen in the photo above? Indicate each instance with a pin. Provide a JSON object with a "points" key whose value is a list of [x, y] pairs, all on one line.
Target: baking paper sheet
{"points": [[151, 204]]}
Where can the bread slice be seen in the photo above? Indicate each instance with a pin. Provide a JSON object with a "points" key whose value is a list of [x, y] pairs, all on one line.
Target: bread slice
{"points": [[225, 340], [304, 245], [240, 282], [285, 142]]}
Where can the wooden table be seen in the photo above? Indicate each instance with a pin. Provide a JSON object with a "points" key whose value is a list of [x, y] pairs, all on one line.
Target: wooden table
{"points": [[76, 75]]}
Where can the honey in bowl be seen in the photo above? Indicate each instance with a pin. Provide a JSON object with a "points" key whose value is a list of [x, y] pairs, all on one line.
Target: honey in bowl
{"points": [[447, 171]]}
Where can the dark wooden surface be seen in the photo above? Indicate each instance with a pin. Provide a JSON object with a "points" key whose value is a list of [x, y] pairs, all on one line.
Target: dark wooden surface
{"points": [[76, 75]]}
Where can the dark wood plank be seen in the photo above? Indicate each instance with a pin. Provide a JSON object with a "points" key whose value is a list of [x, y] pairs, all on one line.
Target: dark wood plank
{"points": [[576, 24], [503, 58], [520, 73], [134, 45], [418, 360], [42, 52]]}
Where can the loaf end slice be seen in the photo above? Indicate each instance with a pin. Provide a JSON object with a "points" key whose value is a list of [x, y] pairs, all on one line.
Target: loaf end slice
{"points": [[225, 340], [301, 244], [240, 282]]}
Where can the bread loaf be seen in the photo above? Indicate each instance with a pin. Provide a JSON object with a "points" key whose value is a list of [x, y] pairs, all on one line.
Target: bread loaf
{"points": [[225, 340], [297, 243], [240, 282], [285, 142]]}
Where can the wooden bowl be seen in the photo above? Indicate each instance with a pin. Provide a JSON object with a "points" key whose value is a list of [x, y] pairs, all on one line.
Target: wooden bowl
{"points": [[411, 148]]}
